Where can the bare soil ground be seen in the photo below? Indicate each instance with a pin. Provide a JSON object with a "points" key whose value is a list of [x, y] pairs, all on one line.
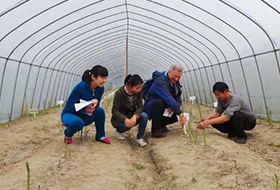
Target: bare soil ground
{"points": [[174, 162]]}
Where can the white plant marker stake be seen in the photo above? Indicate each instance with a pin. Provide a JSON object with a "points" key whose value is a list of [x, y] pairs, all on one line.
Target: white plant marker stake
{"points": [[60, 103], [192, 99], [33, 111], [187, 116]]}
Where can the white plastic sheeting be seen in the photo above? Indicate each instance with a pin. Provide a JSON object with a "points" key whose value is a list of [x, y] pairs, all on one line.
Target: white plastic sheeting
{"points": [[46, 45]]}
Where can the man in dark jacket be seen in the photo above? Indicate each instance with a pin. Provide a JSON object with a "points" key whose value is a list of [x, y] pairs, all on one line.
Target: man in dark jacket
{"points": [[164, 100]]}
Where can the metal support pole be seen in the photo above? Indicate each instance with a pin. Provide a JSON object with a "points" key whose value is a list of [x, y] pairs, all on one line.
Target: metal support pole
{"points": [[126, 57]]}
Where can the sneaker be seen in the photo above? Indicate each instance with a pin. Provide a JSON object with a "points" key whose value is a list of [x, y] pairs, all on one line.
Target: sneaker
{"points": [[104, 140], [158, 134], [141, 142], [120, 136], [232, 136], [241, 140], [68, 140]]}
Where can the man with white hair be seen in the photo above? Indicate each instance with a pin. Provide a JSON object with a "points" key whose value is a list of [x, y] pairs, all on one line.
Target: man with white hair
{"points": [[163, 103]]}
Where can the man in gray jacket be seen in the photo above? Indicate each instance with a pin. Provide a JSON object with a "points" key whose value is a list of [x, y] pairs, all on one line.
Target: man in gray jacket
{"points": [[232, 116]]}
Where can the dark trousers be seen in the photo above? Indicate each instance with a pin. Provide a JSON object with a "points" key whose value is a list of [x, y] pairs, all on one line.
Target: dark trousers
{"points": [[158, 120], [237, 125]]}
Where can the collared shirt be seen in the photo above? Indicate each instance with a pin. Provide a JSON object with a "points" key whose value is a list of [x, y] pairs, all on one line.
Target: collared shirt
{"points": [[172, 88]]}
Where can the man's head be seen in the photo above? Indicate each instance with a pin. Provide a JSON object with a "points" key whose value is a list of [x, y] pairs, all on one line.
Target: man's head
{"points": [[221, 91], [175, 72]]}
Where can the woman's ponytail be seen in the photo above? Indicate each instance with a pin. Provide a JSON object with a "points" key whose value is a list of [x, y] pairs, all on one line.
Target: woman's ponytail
{"points": [[86, 76], [96, 71]]}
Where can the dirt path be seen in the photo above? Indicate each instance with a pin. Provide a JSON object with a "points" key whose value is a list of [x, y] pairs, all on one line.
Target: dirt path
{"points": [[170, 163]]}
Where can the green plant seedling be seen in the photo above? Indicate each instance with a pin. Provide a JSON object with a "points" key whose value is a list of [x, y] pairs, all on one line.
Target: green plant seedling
{"points": [[200, 117], [204, 137], [173, 177], [190, 127], [276, 182], [270, 118], [67, 152], [193, 179], [28, 176], [139, 166]]}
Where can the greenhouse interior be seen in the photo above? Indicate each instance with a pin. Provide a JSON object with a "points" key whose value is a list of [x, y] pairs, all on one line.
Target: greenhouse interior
{"points": [[47, 46]]}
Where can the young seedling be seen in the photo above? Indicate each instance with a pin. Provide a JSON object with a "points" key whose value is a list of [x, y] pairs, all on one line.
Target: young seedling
{"points": [[82, 135], [139, 166], [195, 136], [67, 152], [204, 137], [193, 179], [86, 131], [59, 164], [9, 115], [200, 118], [28, 176], [44, 128], [190, 127], [25, 108], [276, 182], [49, 105], [173, 177], [44, 110], [270, 118], [199, 110]]}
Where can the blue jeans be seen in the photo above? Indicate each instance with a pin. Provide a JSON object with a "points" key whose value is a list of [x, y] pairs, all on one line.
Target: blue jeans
{"points": [[142, 121], [74, 123]]}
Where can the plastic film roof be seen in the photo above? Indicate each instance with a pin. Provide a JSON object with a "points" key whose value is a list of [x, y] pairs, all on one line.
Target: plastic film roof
{"points": [[52, 42]]}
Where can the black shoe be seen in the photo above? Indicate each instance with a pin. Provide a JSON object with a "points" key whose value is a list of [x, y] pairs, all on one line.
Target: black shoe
{"points": [[241, 140], [164, 129], [231, 136]]}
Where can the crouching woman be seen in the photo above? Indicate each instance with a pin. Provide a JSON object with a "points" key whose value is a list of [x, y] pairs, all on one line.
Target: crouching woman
{"points": [[90, 89], [127, 110]]}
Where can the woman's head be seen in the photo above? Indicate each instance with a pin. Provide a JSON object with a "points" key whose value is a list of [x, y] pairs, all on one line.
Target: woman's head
{"points": [[134, 82], [96, 77]]}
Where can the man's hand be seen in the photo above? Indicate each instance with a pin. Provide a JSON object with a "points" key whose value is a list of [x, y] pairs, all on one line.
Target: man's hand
{"points": [[128, 123], [182, 119], [203, 124]]}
